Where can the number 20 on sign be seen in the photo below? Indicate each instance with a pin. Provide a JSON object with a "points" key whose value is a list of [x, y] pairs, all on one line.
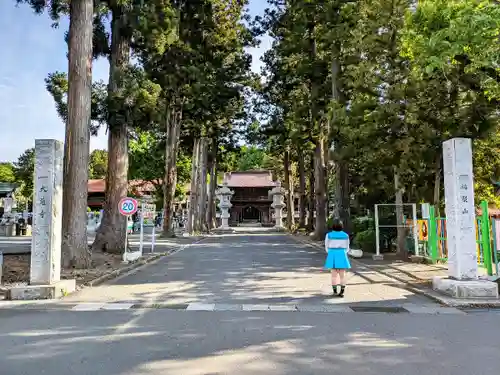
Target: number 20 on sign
{"points": [[128, 206]]}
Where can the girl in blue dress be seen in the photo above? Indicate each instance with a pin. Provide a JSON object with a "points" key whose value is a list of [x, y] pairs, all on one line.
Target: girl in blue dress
{"points": [[336, 247]]}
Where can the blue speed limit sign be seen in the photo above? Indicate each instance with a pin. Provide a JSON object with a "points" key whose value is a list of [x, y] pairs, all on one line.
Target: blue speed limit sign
{"points": [[128, 206]]}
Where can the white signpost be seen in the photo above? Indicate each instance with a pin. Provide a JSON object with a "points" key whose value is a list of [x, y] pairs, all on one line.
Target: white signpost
{"points": [[127, 207], [462, 281], [147, 212], [426, 209]]}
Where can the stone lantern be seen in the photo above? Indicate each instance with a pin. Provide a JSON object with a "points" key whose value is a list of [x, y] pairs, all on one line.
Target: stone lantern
{"points": [[224, 195], [278, 204]]}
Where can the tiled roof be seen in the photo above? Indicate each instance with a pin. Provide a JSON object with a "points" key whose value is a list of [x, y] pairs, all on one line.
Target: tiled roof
{"points": [[250, 179], [99, 186], [96, 186], [7, 187]]}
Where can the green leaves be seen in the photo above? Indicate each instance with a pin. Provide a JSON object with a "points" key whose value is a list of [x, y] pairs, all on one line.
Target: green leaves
{"points": [[98, 164], [57, 85], [443, 34], [7, 172], [392, 83], [24, 169]]}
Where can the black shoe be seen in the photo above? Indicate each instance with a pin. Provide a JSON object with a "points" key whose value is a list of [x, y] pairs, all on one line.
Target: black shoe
{"points": [[342, 290], [334, 287]]}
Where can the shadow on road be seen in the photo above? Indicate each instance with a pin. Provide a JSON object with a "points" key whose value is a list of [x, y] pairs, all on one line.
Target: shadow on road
{"points": [[249, 269], [202, 343]]}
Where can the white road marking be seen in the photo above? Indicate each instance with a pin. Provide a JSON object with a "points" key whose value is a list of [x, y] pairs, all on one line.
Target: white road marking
{"points": [[88, 307], [195, 306]]}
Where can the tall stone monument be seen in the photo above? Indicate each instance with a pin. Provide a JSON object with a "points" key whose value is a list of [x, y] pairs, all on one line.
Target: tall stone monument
{"points": [[45, 272], [462, 281], [278, 194], [224, 195]]}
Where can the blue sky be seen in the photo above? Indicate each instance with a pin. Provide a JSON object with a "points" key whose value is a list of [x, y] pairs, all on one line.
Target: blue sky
{"points": [[31, 49]]}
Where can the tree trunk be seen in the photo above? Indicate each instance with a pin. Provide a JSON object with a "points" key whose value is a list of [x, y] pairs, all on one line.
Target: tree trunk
{"points": [[75, 251], [289, 191], [202, 194], [319, 152], [111, 235], [169, 178], [319, 187], [312, 200], [211, 209], [343, 193], [401, 230], [342, 189], [193, 199], [173, 125], [302, 188], [326, 158]]}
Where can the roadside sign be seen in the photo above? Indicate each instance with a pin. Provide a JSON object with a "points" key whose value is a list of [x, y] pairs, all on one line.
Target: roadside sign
{"points": [[149, 212], [128, 206], [426, 209]]}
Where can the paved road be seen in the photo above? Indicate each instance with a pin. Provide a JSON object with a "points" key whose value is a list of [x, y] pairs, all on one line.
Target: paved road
{"points": [[159, 342], [243, 271], [248, 269]]}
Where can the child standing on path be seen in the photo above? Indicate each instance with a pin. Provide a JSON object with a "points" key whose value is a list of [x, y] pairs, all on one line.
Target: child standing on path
{"points": [[336, 247]]}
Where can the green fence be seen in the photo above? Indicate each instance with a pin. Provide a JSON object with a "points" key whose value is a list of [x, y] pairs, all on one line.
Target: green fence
{"points": [[495, 231], [434, 246]]}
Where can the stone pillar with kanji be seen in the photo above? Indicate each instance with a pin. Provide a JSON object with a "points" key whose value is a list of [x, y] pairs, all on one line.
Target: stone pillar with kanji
{"points": [[45, 270], [463, 280]]}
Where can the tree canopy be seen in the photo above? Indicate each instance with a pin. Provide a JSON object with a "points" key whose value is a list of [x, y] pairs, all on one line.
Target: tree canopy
{"points": [[353, 96]]}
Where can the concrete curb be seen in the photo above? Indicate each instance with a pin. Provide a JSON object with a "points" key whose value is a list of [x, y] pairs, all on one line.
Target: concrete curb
{"points": [[133, 267], [417, 289]]}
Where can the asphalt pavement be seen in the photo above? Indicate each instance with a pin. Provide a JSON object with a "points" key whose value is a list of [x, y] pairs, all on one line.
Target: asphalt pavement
{"points": [[254, 291], [249, 269]]}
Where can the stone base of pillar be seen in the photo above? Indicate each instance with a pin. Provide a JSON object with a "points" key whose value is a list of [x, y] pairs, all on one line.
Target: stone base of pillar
{"points": [[377, 257], [131, 256], [223, 230], [465, 289], [50, 291]]}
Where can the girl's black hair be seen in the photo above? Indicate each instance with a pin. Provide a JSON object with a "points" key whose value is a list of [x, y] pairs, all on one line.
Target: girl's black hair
{"points": [[337, 225]]}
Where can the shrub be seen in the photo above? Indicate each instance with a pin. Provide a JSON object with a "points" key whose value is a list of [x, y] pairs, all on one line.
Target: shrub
{"points": [[365, 240], [362, 223], [329, 223]]}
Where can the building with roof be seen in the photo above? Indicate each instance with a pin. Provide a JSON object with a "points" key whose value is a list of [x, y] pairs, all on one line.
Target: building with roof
{"points": [[251, 200], [97, 191]]}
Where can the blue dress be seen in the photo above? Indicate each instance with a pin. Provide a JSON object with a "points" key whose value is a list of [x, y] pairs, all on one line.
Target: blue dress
{"points": [[337, 245]]}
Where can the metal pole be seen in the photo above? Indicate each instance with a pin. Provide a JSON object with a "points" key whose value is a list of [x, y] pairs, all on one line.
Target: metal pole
{"points": [[432, 236], [126, 240], [1, 266], [496, 243], [415, 229], [485, 237], [141, 223], [377, 234], [153, 237]]}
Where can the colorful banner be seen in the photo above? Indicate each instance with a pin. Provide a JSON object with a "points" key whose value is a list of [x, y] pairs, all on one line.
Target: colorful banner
{"points": [[423, 230]]}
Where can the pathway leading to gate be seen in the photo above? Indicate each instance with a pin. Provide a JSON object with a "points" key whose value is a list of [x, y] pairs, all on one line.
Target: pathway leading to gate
{"points": [[248, 270]]}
